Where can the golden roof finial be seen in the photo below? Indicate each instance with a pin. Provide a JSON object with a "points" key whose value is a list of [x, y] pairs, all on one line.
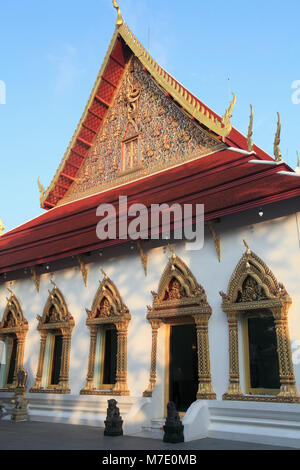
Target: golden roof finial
{"points": [[247, 246], [42, 190], [298, 163], [277, 152], [250, 131], [53, 283], [172, 251], [10, 291], [120, 20], [1, 227], [228, 115], [104, 274]]}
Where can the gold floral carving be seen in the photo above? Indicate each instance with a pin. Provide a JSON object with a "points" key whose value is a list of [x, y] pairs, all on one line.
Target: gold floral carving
{"points": [[56, 317], [177, 91], [254, 287], [108, 309], [14, 324], [180, 296]]}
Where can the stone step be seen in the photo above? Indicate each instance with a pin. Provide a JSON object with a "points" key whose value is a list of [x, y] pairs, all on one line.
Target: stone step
{"points": [[83, 410]]}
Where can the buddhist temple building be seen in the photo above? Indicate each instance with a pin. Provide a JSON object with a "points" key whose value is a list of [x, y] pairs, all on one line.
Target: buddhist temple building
{"points": [[148, 321]]}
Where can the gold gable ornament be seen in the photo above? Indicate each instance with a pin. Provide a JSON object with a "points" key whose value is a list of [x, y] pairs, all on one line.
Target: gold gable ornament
{"points": [[250, 131], [297, 170], [42, 191], [277, 152], [1, 227], [120, 20]]}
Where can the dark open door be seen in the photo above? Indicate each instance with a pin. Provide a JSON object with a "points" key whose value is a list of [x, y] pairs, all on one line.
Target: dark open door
{"points": [[183, 366]]}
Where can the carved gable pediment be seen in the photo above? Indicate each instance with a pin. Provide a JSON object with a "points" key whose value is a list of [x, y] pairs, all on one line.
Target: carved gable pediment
{"points": [[143, 132]]}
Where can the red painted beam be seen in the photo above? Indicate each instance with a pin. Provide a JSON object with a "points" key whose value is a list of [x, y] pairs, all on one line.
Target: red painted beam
{"points": [[83, 141], [102, 101], [68, 176]]}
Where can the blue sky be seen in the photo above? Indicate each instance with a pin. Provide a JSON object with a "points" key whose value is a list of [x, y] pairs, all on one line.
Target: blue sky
{"points": [[51, 52]]}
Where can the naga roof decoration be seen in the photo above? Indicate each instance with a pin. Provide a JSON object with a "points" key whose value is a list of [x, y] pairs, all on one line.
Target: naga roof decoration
{"points": [[101, 100]]}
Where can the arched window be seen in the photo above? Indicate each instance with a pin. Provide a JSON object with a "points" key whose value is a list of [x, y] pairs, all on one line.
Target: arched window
{"points": [[55, 326], [108, 323], [182, 305], [260, 304], [13, 330]]}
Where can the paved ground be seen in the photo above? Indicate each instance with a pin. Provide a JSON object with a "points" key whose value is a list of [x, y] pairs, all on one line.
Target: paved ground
{"points": [[50, 436]]}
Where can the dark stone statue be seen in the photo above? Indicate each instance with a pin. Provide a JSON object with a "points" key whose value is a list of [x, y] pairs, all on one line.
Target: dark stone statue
{"points": [[173, 427], [20, 410], [114, 422], [21, 379]]}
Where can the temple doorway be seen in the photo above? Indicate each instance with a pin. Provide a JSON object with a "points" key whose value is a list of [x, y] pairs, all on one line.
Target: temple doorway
{"points": [[183, 370]]}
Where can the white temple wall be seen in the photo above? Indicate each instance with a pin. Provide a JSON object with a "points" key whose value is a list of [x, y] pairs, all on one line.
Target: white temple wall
{"points": [[275, 241]]}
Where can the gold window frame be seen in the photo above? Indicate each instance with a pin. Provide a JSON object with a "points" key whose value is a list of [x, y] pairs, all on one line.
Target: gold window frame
{"points": [[62, 324], [18, 327], [265, 294], [114, 314]]}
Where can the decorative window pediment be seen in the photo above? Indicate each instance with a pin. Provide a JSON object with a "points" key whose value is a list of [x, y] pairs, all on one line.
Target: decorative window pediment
{"points": [[13, 318], [55, 314], [252, 281], [108, 306], [178, 288]]}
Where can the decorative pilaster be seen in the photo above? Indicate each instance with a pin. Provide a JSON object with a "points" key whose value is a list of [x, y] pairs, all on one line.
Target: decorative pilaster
{"points": [[287, 378], [121, 373], [155, 327], [65, 361], [39, 373], [91, 365], [234, 373], [205, 390]]}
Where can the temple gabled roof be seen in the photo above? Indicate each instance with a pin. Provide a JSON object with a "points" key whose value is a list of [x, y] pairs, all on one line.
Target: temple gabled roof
{"points": [[124, 44], [229, 177]]}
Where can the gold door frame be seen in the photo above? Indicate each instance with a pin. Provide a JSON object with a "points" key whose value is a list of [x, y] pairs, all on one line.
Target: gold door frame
{"points": [[185, 304]]}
